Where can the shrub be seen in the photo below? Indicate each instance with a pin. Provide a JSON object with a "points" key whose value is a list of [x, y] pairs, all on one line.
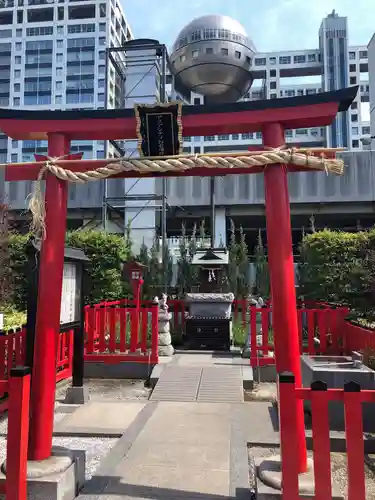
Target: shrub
{"points": [[106, 252], [333, 267]]}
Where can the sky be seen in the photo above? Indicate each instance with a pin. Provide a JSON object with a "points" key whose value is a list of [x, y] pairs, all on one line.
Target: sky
{"points": [[273, 25]]}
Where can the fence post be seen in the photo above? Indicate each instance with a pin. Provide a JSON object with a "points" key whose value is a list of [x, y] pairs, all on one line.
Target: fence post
{"points": [[18, 433], [154, 334], [354, 441], [320, 434], [288, 439]]}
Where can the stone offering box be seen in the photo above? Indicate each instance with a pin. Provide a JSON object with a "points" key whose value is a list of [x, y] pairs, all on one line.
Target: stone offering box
{"points": [[337, 371], [209, 322]]}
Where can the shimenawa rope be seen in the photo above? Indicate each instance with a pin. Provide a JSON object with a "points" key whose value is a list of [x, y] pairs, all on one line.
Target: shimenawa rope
{"points": [[172, 164]]}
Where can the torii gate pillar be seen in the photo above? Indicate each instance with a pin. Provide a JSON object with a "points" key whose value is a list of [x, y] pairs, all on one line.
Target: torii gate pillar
{"points": [[281, 271], [51, 269]]}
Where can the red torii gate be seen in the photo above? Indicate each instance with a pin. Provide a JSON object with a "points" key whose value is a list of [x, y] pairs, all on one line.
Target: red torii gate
{"points": [[271, 117]]}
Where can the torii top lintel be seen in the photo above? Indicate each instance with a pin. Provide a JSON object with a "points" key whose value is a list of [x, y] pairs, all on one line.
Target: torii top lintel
{"points": [[296, 112]]}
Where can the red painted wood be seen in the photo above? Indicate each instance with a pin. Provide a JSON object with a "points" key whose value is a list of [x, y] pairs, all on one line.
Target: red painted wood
{"points": [[321, 444], [317, 115], [17, 439], [123, 326], [354, 446], [288, 442], [112, 312], [144, 325]]}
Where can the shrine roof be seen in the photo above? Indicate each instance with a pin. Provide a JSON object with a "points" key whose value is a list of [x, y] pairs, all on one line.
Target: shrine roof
{"points": [[208, 119]]}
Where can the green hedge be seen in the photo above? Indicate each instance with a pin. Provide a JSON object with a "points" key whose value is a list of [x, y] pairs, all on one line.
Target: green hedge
{"points": [[106, 253], [337, 267]]}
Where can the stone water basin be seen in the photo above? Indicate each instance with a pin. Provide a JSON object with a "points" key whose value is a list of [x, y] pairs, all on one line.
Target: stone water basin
{"points": [[336, 371]]}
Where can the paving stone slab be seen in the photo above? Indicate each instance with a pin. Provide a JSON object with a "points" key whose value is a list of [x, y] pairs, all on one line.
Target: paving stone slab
{"points": [[100, 417]]}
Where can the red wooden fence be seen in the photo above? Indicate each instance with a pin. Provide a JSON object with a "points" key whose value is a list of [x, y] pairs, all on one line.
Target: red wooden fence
{"points": [[352, 398], [117, 332], [18, 387], [320, 332], [12, 354]]}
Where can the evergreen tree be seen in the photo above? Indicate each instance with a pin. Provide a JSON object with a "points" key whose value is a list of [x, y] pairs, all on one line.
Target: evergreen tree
{"points": [[232, 267], [242, 261], [183, 264], [261, 269], [144, 258], [167, 268]]}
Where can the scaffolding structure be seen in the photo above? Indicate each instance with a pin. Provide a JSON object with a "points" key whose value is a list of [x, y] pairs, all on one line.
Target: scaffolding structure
{"points": [[150, 55]]}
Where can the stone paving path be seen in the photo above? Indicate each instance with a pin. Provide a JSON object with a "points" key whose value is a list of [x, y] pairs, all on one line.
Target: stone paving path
{"points": [[193, 383], [188, 442]]}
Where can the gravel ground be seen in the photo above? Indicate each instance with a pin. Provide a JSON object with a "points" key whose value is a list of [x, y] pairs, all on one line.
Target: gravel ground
{"points": [[95, 448], [113, 390], [265, 391], [338, 467]]}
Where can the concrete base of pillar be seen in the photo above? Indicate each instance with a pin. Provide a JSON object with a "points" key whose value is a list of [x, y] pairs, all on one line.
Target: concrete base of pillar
{"points": [[270, 479], [59, 477], [77, 396]]}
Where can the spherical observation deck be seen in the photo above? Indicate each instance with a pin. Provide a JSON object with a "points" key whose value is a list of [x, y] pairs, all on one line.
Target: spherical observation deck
{"points": [[213, 56]]}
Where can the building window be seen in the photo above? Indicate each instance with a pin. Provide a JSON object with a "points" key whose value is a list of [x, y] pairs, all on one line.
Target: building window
{"points": [[19, 46], [195, 54], [59, 58], [272, 61], [17, 87], [290, 93], [18, 33], [285, 60], [14, 143], [260, 61], [273, 73], [223, 137], [351, 56], [102, 26], [224, 52], [60, 30], [352, 68], [302, 131], [14, 157], [355, 143], [353, 80], [58, 85], [209, 50], [16, 101], [237, 54], [101, 84], [311, 57], [60, 44], [197, 100], [289, 133], [355, 130], [246, 137], [299, 59], [101, 97], [102, 41], [258, 135], [354, 105], [59, 72], [235, 137], [366, 130], [58, 99], [209, 138], [17, 73], [101, 70], [363, 54], [187, 139], [354, 118], [272, 85], [18, 60], [273, 96]]}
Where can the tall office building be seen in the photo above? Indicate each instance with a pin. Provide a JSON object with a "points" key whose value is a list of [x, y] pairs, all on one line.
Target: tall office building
{"points": [[53, 56]]}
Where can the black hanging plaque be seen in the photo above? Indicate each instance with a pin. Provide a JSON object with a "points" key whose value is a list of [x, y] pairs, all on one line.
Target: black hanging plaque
{"points": [[159, 129]]}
